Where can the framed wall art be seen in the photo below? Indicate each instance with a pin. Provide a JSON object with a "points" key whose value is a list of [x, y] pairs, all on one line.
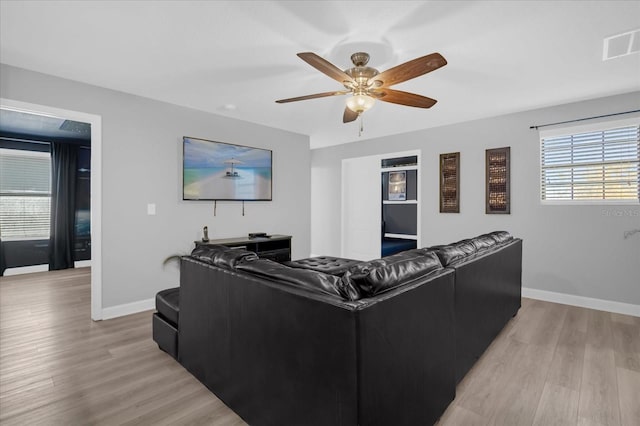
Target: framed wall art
{"points": [[398, 186], [498, 191], [450, 183]]}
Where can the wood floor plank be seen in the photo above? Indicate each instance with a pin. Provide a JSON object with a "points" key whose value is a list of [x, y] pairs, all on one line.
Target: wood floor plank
{"points": [[75, 391], [599, 388], [522, 386], [558, 406], [551, 364], [625, 319], [568, 359], [456, 415], [157, 399], [629, 392], [626, 345], [173, 410], [483, 382]]}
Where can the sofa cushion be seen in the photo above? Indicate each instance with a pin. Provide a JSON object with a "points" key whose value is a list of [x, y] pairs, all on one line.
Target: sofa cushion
{"points": [[206, 253], [501, 236], [222, 256], [452, 253], [168, 304], [449, 254], [466, 246], [308, 279], [232, 257], [377, 276], [327, 264], [483, 242]]}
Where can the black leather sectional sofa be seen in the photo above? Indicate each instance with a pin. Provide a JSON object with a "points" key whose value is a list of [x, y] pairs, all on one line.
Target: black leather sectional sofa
{"points": [[488, 287], [363, 343]]}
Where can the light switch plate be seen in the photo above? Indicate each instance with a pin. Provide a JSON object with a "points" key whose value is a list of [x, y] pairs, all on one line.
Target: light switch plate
{"points": [[151, 209]]}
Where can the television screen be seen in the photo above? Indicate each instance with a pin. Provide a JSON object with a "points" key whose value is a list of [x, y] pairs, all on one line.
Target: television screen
{"points": [[222, 171]]}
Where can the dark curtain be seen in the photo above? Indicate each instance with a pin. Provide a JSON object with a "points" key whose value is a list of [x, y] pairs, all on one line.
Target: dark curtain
{"points": [[63, 205]]}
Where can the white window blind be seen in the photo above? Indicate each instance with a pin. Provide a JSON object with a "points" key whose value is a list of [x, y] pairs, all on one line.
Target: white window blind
{"points": [[600, 165], [25, 194]]}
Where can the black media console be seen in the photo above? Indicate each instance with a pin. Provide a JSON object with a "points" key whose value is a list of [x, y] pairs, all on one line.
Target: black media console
{"points": [[274, 247]]}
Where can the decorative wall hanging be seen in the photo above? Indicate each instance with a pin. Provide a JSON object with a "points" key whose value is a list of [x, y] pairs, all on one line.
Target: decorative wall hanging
{"points": [[398, 186], [498, 192], [450, 183]]}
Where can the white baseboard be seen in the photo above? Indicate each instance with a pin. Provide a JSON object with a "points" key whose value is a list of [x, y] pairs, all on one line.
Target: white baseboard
{"points": [[128, 308], [26, 270], [41, 268], [583, 302]]}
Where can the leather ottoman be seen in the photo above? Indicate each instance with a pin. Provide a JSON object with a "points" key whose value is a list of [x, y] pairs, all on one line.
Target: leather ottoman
{"points": [[326, 264], [165, 320]]}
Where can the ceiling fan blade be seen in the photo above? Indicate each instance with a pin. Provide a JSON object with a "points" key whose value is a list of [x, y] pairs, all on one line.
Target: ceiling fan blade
{"points": [[314, 96], [349, 115], [409, 70], [325, 67], [405, 98]]}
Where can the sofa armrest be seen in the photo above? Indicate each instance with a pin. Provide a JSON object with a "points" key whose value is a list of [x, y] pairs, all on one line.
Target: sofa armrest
{"points": [[274, 354], [406, 349], [488, 295]]}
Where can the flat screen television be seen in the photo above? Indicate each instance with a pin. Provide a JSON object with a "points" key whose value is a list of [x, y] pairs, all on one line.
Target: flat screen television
{"points": [[222, 171]]}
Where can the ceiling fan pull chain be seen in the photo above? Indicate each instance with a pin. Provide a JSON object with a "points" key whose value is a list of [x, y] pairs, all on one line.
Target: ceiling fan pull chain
{"points": [[361, 126]]}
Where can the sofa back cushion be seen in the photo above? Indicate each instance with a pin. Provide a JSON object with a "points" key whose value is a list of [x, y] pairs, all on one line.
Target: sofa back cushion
{"points": [[466, 246], [501, 236], [308, 279], [483, 242], [222, 256], [377, 276], [455, 252], [449, 254]]}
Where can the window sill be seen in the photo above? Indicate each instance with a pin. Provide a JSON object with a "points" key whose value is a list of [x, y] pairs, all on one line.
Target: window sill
{"points": [[590, 203]]}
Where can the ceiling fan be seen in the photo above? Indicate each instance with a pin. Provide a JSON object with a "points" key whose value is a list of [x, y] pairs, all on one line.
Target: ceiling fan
{"points": [[367, 84]]}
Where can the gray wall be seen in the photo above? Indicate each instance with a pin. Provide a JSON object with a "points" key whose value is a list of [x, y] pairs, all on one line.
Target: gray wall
{"points": [[141, 163], [577, 250]]}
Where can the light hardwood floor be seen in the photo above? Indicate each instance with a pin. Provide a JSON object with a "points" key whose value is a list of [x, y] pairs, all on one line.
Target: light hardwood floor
{"points": [[551, 365]]}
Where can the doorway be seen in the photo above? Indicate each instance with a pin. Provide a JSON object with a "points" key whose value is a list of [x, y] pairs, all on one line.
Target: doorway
{"points": [[363, 205], [96, 186]]}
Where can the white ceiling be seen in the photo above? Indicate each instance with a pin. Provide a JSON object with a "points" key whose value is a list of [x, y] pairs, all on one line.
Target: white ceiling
{"points": [[504, 56]]}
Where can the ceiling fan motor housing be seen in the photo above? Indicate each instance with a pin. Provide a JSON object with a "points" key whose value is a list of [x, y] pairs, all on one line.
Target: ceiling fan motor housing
{"points": [[360, 73], [360, 59]]}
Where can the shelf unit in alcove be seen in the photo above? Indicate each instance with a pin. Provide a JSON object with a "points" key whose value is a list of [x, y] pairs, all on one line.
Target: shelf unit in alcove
{"points": [[400, 215]]}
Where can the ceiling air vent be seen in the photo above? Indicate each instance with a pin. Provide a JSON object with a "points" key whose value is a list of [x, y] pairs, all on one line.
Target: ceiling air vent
{"points": [[621, 45], [76, 127]]}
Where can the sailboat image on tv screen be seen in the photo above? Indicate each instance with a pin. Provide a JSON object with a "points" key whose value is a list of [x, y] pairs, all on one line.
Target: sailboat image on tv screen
{"points": [[232, 173]]}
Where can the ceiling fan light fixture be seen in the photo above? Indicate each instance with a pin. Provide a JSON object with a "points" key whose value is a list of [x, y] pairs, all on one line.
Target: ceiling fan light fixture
{"points": [[366, 84], [360, 103]]}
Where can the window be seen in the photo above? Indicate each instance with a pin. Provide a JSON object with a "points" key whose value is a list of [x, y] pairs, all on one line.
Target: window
{"points": [[591, 165], [25, 194]]}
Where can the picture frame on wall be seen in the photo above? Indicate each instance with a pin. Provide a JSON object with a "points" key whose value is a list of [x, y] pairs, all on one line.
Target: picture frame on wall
{"points": [[450, 182], [498, 185], [398, 186]]}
